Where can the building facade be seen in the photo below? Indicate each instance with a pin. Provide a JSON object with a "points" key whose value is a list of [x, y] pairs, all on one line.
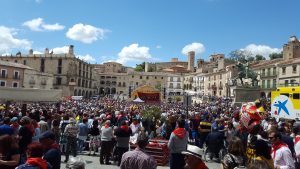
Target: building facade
{"points": [[72, 75]]}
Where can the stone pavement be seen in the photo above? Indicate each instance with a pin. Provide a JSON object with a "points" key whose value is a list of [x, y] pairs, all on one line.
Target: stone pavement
{"points": [[92, 162]]}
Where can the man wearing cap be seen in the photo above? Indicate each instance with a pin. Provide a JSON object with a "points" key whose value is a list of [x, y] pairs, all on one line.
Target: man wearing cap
{"points": [[51, 149], [193, 159]]}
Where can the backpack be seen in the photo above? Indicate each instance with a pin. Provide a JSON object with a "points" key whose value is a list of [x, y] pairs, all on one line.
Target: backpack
{"points": [[237, 166]]}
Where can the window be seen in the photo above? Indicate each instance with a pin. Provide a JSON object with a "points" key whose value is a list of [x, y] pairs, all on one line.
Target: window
{"points": [[286, 82], [16, 75], [263, 84], [79, 82], [59, 70], [137, 83], [147, 77], [274, 71], [263, 72], [132, 76], [268, 83], [42, 68], [294, 68], [24, 62], [296, 96], [285, 94], [2, 83], [269, 71], [15, 84], [16, 61], [162, 77], [59, 62], [155, 77], [141, 77], [274, 83], [220, 76], [171, 85], [58, 81], [171, 79], [3, 73], [283, 70]]}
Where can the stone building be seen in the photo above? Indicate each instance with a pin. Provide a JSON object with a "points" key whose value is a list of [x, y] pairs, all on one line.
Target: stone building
{"points": [[17, 75], [174, 88], [72, 75]]}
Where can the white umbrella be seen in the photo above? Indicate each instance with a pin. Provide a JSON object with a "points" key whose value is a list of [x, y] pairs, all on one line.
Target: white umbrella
{"points": [[138, 100]]}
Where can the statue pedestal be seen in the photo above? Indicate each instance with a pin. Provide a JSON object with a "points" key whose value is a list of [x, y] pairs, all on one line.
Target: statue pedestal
{"points": [[242, 94]]}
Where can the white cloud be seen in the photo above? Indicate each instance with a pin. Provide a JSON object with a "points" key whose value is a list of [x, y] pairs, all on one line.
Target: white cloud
{"points": [[85, 33], [59, 50], [8, 41], [263, 50], [39, 25], [6, 54], [134, 53], [37, 52], [87, 58], [198, 48], [158, 47]]}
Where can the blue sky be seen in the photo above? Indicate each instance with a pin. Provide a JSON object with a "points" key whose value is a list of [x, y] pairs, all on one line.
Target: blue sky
{"points": [[133, 31]]}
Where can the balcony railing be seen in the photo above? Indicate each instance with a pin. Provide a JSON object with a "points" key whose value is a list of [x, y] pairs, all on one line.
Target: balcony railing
{"points": [[4, 76], [16, 77], [268, 74], [214, 87]]}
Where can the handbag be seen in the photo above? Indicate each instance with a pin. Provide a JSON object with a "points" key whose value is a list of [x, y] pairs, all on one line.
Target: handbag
{"points": [[237, 166]]}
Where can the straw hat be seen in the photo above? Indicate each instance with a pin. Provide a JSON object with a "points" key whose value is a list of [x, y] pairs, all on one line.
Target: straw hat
{"points": [[194, 151]]}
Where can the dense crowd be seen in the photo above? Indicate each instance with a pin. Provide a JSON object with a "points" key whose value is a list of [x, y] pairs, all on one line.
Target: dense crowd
{"points": [[36, 135]]}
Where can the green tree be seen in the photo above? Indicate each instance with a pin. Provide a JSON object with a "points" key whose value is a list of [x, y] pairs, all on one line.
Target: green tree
{"points": [[259, 57], [239, 55], [152, 112], [139, 68], [250, 58], [275, 55]]}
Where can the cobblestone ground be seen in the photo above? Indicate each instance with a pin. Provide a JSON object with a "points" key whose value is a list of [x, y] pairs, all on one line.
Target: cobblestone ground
{"points": [[93, 163]]}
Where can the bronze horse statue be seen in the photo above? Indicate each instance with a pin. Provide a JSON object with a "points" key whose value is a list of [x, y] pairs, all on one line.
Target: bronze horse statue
{"points": [[244, 73]]}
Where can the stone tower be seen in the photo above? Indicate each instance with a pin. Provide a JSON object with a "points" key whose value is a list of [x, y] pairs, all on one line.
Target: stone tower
{"points": [[71, 50], [30, 52], [191, 60], [46, 51], [146, 66], [291, 49]]}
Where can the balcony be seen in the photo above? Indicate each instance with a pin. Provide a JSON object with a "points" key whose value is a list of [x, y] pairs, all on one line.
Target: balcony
{"points": [[43, 82], [3, 76], [214, 87], [17, 77], [266, 75], [32, 82]]}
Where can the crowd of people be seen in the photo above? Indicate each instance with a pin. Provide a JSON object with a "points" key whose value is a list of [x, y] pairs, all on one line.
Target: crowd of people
{"points": [[38, 134]]}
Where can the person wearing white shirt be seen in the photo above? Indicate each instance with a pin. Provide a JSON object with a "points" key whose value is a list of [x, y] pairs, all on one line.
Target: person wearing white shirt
{"points": [[281, 153]]}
